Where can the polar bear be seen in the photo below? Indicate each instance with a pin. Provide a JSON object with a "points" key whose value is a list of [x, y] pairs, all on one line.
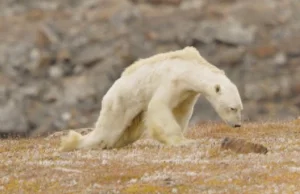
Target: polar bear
{"points": [[158, 94]]}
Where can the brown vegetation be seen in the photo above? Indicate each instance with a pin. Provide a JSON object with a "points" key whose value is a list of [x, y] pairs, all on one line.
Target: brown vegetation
{"points": [[35, 166]]}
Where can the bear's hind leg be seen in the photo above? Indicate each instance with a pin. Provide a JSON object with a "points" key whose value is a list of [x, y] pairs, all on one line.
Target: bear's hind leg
{"points": [[110, 127], [111, 132], [133, 132]]}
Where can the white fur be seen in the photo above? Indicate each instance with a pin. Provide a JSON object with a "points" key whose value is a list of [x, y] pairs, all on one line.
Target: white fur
{"points": [[158, 94]]}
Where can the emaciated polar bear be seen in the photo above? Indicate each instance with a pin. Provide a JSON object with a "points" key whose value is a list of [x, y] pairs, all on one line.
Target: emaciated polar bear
{"points": [[158, 94]]}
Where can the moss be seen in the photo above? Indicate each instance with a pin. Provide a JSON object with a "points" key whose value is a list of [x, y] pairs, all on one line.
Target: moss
{"points": [[151, 188], [29, 186], [15, 186]]}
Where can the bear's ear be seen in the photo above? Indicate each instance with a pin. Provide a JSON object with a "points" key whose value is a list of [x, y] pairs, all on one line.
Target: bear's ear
{"points": [[217, 88]]}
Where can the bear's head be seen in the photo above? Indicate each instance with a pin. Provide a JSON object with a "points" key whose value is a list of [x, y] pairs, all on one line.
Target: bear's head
{"points": [[225, 99]]}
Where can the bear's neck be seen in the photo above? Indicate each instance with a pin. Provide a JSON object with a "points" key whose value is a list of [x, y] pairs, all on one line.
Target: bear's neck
{"points": [[204, 79]]}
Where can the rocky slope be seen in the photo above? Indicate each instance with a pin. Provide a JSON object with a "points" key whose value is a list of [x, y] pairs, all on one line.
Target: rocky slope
{"points": [[58, 58]]}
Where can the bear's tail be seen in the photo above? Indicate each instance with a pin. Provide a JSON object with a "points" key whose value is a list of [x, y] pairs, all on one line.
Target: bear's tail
{"points": [[71, 141]]}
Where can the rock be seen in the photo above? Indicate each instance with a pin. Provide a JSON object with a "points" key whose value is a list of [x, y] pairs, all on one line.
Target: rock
{"points": [[63, 65], [32, 91], [191, 4], [243, 146], [40, 62], [64, 56], [35, 15], [4, 88], [3, 94], [254, 91], [265, 89], [41, 39], [46, 36], [125, 14], [258, 12], [56, 72], [293, 63], [77, 89], [230, 56], [52, 94], [116, 12], [296, 102], [296, 89], [264, 51], [12, 118], [284, 83], [159, 2], [183, 31], [280, 59], [231, 31], [205, 31], [110, 68], [47, 117], [66, 116], [281, 111], [90, 55]]}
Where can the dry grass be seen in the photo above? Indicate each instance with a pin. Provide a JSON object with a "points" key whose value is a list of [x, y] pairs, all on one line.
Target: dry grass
{"points": [[35, 165]]}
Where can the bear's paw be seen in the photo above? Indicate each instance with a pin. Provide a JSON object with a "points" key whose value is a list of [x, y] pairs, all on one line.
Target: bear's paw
{"points": [[70, 142]]}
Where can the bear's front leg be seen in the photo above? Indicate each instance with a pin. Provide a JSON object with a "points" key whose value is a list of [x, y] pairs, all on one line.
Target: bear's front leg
{"points": [[161, 122], [183, 111]]}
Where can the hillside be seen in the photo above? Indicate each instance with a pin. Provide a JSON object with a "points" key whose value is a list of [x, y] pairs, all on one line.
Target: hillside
{"points": [[35, 166]]}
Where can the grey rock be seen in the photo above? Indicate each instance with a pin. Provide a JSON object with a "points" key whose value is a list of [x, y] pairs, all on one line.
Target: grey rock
{"points": [[191, 4], [31, 91], [12, 118], [53, 93], [126, 14], [285, 86], [77, 89], [56, 72], [230, 56], [205, 31], [91, 54], [3, 94], [280, 59], [254, 91], [231, 31]]}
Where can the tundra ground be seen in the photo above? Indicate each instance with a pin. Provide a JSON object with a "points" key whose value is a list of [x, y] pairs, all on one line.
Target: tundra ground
{"points": [[36, 166]]}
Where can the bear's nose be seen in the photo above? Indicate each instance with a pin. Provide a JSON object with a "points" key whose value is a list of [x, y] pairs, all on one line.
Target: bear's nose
{"points": [[237, 125]]}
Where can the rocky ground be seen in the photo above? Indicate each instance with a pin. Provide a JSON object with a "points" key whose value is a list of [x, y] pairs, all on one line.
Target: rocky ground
{"points": [[34, 165], [58, 58]]}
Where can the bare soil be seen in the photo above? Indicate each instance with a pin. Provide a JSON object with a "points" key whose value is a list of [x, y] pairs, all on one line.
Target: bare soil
{"points": [[36, 166]]}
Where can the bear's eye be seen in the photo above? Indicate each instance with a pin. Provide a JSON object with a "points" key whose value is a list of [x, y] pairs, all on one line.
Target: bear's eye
{"points": [[217, 88], [233, 109]]}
